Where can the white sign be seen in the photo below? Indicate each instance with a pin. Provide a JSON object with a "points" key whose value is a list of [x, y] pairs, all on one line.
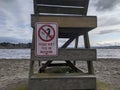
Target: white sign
{"points": [[46, 41]]}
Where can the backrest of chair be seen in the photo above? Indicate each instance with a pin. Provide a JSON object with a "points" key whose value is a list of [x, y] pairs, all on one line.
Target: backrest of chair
{"points": [[69, 7]]}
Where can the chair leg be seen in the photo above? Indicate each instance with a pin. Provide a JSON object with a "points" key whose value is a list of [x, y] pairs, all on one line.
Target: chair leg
{"points": [[87, 45]]}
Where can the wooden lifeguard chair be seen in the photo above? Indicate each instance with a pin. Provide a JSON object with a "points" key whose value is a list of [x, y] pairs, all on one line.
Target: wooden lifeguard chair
{"points": [[71, 17]]}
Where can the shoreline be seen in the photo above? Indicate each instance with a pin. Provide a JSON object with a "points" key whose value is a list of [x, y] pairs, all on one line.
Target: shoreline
{"points": [[13, 71]]}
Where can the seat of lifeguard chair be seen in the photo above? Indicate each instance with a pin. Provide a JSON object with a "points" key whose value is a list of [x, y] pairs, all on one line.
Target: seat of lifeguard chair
{"points": [[68, 26], [69, 14]]}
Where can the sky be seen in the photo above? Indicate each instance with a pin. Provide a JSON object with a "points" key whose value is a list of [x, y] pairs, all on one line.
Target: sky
{"points": [[15, 22]]}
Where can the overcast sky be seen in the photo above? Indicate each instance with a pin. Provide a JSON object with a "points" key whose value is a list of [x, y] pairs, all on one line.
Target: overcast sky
{"points": [[15, 21]]}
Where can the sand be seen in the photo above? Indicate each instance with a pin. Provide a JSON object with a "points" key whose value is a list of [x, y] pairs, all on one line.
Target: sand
{"points": [[16, 71], [12, 72]]}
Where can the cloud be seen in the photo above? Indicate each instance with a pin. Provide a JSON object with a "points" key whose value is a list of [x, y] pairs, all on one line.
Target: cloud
{"points": [[108, 31], [15, 36], [15, 20], [14, 40], [108, 19], [108, 43], [102, 5]]}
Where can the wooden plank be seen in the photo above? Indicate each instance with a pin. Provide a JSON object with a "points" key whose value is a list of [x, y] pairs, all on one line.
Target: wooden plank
{"points": [[57, 64], [61, 75], [67, 22], [68, 26], [58, 6], [71, 55], [63, 2], [70, 82], [60, 9]]}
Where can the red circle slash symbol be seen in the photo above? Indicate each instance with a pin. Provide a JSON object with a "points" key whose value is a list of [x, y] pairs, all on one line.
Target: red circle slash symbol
{"points": [[46, 33]]}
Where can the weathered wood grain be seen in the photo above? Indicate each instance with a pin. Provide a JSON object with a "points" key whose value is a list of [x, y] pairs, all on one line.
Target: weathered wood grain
{"points": [[67, 22], [63, 2], [70, 54], [70, 82]]}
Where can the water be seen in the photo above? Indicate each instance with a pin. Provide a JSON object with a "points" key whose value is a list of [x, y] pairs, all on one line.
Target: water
{"points": [[25, 53], [108, 53], [14, 53]]}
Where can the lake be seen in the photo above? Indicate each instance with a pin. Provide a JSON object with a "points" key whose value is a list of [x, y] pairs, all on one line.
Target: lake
{"points": [[25, 53]]}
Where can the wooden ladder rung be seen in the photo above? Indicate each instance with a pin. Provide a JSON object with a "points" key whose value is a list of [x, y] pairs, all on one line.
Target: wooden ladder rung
{"points": [[59, 6], [57, 64]]}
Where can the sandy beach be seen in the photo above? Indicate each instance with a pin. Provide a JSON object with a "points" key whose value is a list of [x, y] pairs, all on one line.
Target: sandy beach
{"points": [[16, 71]]}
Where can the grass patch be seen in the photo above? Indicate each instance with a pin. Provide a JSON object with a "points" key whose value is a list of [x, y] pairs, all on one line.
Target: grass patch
{"points": [[20, 87], [103, 86]]}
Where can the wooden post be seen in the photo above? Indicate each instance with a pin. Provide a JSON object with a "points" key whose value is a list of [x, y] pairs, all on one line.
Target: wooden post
{"points": [[76, 46], [87, 45], [86, 8], [68, 42], [31, 68], [76, 42], [32, 49], [35, 7]]}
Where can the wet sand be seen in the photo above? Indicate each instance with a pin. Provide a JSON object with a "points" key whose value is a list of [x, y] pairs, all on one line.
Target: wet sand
{"points": [[16, 71]]}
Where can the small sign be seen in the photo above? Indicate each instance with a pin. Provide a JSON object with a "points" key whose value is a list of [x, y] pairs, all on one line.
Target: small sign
{"points": [[46, 41]]}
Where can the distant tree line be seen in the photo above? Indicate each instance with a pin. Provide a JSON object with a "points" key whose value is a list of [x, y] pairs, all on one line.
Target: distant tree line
{"points": [[8, 45], [13, 45]]}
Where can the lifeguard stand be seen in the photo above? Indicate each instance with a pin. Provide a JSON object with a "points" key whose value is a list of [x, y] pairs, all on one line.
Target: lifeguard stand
{"points": [[71, 17]]}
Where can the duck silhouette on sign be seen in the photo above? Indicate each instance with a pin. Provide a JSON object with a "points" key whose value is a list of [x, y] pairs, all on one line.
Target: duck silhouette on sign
{"points": [[48, 32]]}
